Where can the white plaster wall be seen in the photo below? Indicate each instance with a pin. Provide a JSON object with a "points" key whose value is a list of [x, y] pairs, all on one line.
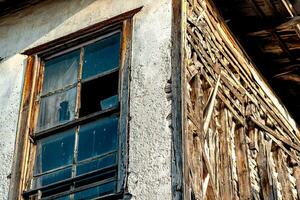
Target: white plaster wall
{"points": [[11, 76], [150, 136]]}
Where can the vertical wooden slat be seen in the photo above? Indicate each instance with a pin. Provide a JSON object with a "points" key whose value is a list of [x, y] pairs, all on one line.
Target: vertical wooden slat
{"points": [[22, 139], [283, 175], [30, 124], [79, 84], [198, 138], [225, 175], [33, 120], [297, 176], [263, 167], [242, 164], [180, 168], [271, 170], [124, 92]]}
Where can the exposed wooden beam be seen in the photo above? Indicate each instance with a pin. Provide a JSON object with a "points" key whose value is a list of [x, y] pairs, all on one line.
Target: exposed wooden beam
{"points": [[291, 22], [276, 135], [290, 77], [256, 8], [209, 107], [282, 45], [179, 170], [271, 6], [289, 7], [287, 70]]}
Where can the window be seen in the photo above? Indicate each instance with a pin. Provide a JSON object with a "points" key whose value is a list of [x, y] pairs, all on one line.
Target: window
{"points": [[79, 117]]}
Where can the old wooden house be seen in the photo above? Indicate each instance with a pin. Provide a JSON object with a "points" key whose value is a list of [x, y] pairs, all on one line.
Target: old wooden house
{"points": [[150, 100]]}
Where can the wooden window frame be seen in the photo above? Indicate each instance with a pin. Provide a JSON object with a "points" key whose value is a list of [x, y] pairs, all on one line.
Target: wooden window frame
{"points": [[24, 156]]}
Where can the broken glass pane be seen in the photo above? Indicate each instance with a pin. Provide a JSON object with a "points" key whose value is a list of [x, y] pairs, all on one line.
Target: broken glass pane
{"points": [[103, 96], [107, 188], [96, 164], [61, 71], [53, 177], [57, 109], [55, 151], [109, 102], [98, 137], [101, 56]]}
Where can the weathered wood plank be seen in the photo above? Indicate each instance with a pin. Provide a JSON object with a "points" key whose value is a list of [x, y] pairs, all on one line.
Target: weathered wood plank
{"points": [[263, 168], [282, 175], [297, 176], [276, 135], [225, 173], [213, 52], [242, 164], [22, 139]]}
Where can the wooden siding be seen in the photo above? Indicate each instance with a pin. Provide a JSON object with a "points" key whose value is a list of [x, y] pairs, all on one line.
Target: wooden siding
{"points": [[238, 143]]}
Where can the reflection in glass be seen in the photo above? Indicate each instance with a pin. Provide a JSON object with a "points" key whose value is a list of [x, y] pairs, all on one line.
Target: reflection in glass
{"points": [[61, 71], [96, 164], [109, 102], [55, 151], [53, 177], [107, 188], [57, 109], [101, 56], [100, 135]]}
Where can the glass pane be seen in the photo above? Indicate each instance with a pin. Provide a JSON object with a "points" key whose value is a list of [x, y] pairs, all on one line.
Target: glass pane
{"points": [[96, 164], [52, 177], [57, 109], [109, 102], [101, 56], [101, 190], [55, 151], [61, 71], [98, 137]]}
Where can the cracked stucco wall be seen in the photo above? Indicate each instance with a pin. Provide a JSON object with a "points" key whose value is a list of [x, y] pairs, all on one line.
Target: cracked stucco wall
{"points": [[149, 133]]}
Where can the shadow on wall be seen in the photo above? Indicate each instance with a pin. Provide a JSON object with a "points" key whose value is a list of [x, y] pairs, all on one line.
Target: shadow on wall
{"points": [[38, 24]]}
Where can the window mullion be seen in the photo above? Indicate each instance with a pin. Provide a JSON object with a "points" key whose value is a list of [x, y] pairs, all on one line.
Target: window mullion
{"points": [[74, 161], [75, 152], [79, 77], [39, 196], [77, 109]]}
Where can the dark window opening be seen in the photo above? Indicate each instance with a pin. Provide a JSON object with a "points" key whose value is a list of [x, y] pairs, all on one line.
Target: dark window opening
{"points": [[99, 94]]}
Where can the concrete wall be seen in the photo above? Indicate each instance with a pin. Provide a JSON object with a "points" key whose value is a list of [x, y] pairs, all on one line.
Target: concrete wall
{"points": [[150, 136]]}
